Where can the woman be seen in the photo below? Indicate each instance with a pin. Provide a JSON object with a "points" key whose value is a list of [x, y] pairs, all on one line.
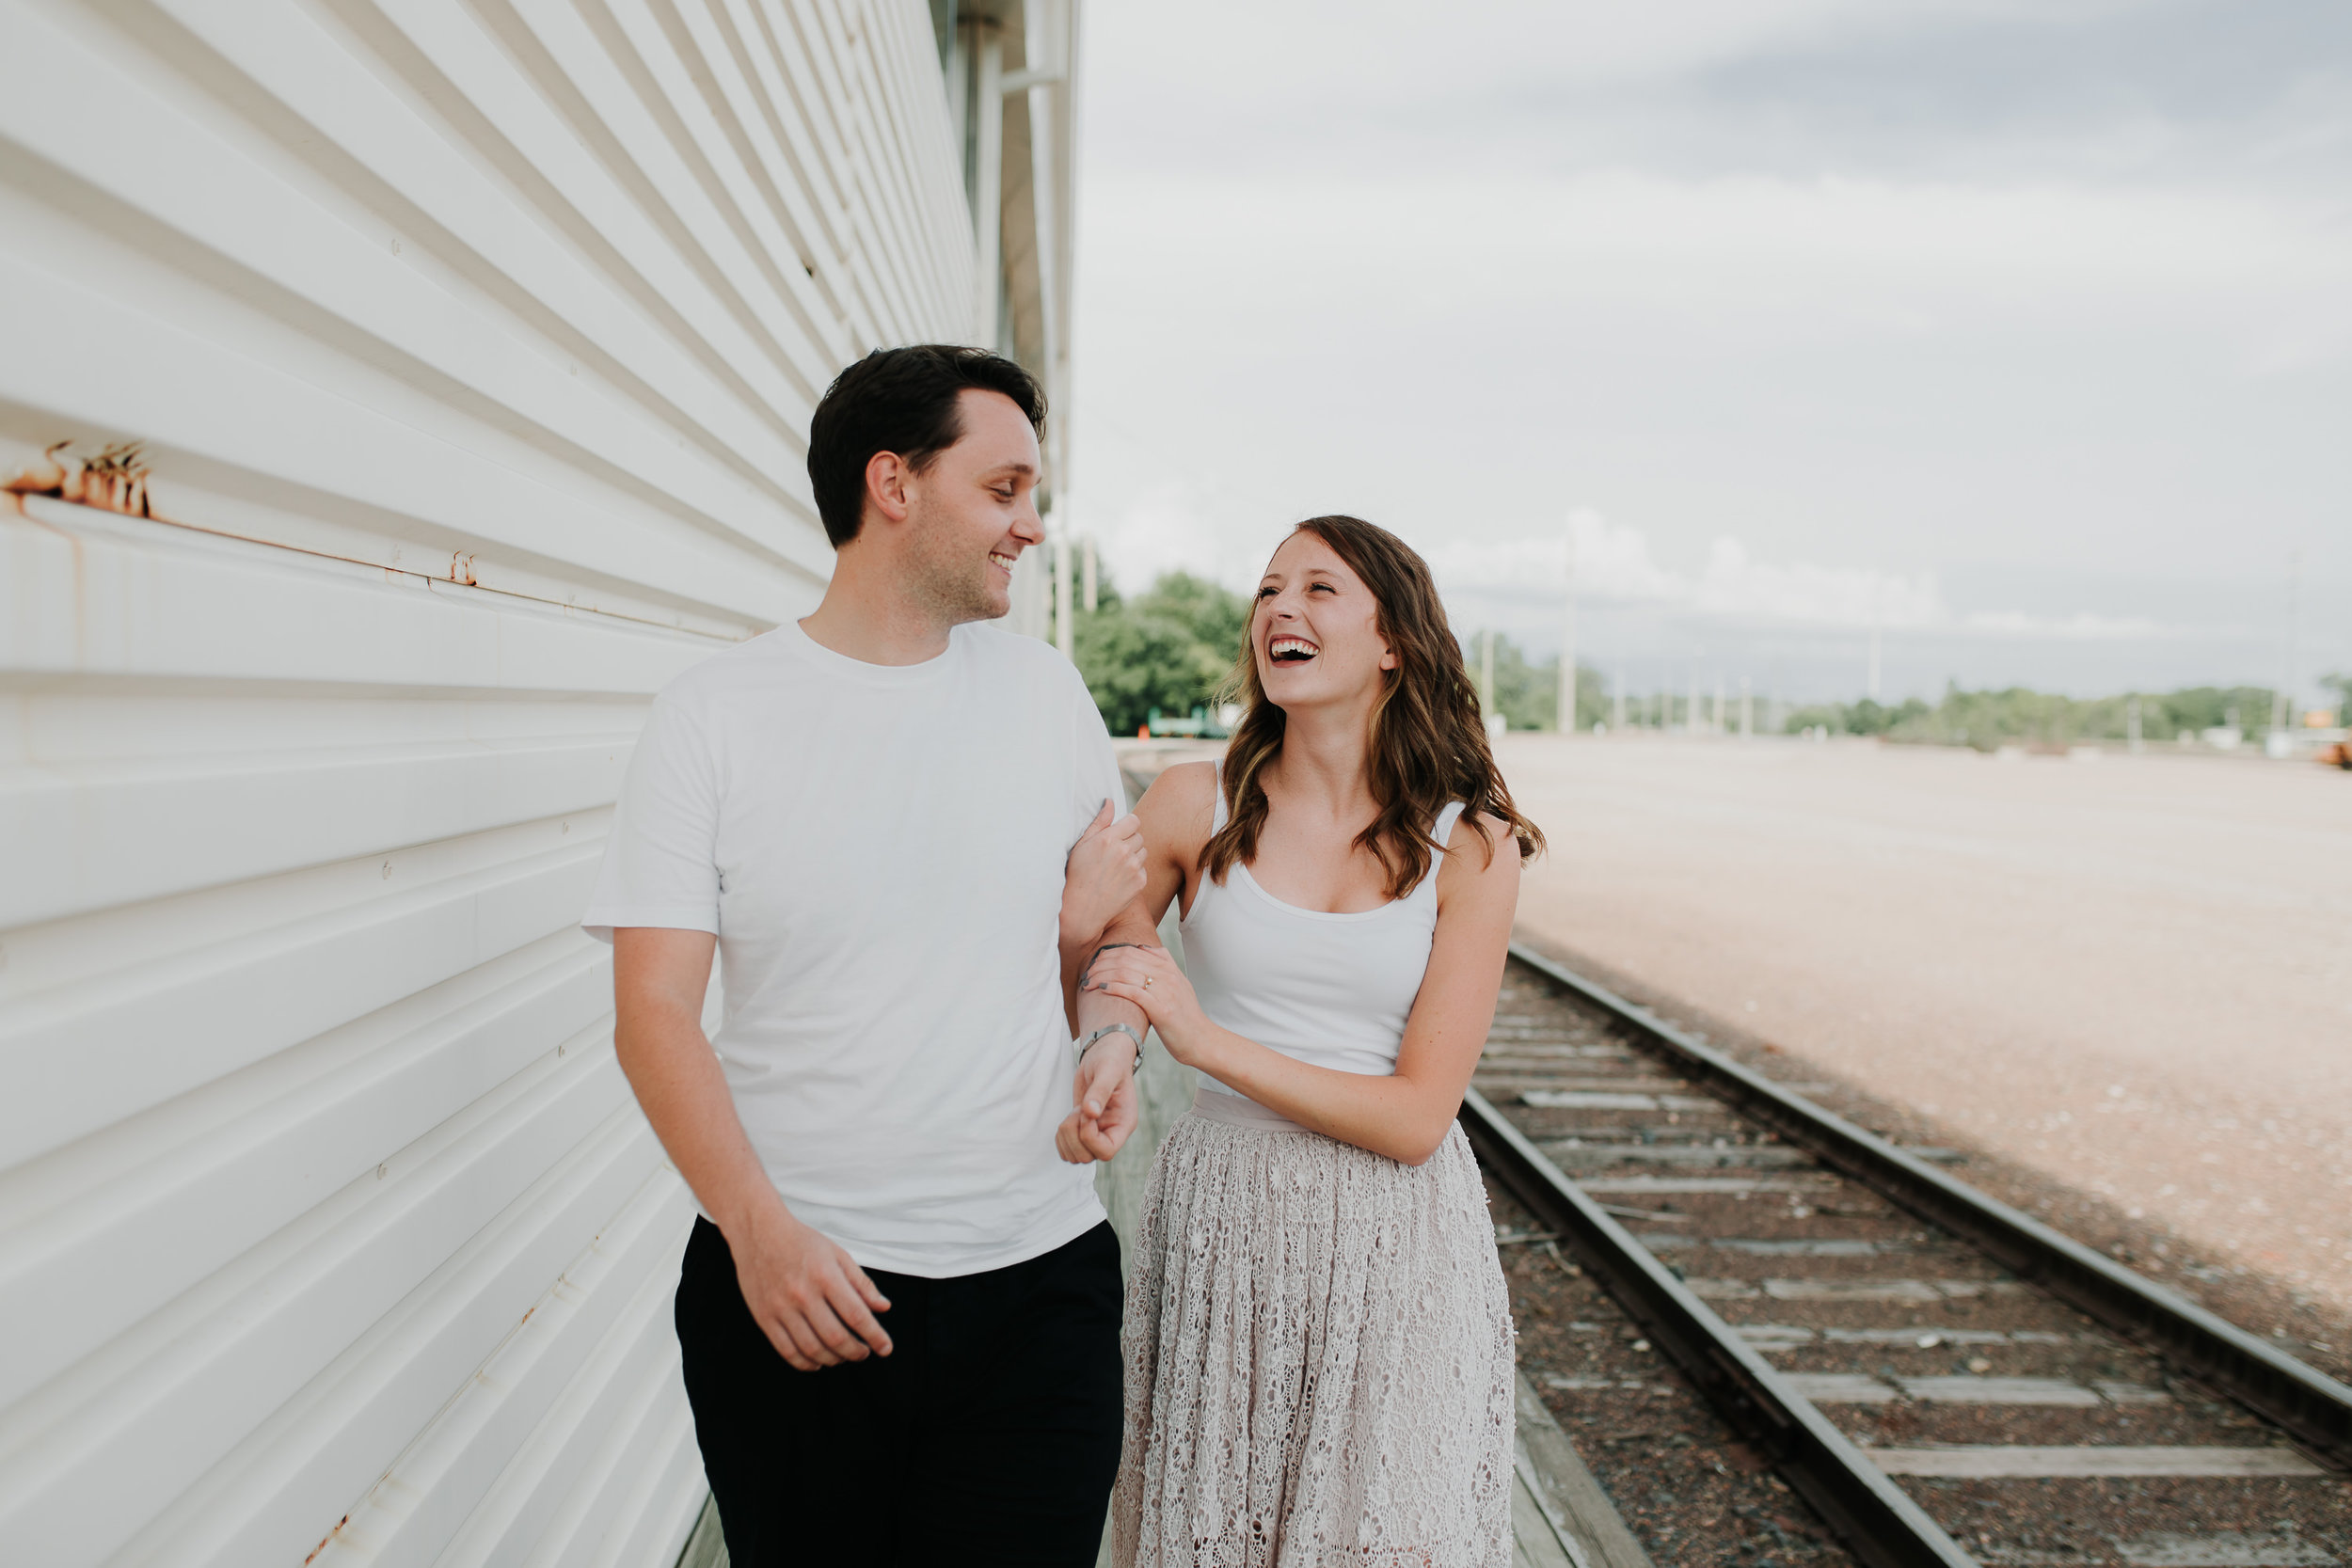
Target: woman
{"points": [[1317, 1340]]}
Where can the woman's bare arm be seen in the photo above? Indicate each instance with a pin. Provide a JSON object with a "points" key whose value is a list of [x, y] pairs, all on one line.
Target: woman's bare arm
{"points": [[1173, 818], [1404, 1117]]}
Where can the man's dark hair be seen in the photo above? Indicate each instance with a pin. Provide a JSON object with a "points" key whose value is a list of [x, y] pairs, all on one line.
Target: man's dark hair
{"points": [[900, 400]]}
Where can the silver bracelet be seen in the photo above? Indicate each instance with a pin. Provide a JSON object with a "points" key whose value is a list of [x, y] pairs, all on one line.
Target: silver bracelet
{"points": [[1127, 1029]]}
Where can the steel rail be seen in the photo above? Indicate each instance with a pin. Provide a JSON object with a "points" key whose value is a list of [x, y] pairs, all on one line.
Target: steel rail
{"points": [[1883, 1528], [2312, 1407]]}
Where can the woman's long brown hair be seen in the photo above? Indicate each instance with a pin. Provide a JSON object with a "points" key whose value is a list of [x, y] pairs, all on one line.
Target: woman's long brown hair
{"points": [[1428, 745]]}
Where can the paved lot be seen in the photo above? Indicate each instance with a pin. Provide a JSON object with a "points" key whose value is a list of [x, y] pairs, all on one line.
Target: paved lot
{"points": [[2133, 974]]}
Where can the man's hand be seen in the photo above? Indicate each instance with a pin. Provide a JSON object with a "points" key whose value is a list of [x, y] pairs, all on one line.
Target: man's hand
{"points": [[1104, 871], [811, 1300], [1105, 1095], [814, 1303]]}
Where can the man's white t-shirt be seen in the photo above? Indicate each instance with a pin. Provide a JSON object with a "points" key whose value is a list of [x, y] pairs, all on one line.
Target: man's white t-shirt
{"points": [[880, 851]]}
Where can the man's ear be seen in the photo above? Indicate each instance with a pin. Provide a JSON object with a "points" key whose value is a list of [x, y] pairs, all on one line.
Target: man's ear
{"points": [[887, 481]]}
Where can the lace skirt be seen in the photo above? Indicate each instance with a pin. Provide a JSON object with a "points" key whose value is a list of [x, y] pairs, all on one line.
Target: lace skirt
{"points": [[1318, 1357]]}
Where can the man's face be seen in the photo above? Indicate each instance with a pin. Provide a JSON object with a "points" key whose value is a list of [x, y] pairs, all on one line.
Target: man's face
{"points": [[973, 512]]}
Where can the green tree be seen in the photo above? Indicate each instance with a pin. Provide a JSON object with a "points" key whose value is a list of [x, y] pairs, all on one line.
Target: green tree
{"points": [[1167, 651], [2020, 716], [1867, 717], [1217, 618], [2342, 685]]}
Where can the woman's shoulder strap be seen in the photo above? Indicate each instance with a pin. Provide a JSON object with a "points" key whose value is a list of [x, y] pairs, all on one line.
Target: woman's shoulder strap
{"points": [[1440, 835]]}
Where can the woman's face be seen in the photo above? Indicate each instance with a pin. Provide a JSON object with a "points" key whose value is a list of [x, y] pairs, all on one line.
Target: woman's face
{"points": [[1315, 631]]}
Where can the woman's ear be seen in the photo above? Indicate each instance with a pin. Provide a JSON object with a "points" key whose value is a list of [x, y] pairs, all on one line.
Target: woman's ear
{"points": [[1388, 656]]}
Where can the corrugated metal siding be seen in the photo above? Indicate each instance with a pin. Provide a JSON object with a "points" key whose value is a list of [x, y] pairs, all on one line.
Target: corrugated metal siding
{"points": [[472, 346]]}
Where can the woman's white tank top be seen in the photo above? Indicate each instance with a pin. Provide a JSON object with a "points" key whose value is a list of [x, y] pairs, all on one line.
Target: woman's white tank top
{"points": [[1332, 990]]}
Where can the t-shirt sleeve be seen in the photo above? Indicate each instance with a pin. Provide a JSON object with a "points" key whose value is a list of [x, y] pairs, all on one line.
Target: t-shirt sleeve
{"points": [[1095, 776], [661, 864]]}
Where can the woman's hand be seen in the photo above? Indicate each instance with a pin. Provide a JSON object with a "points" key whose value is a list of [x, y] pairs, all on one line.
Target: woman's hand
{"points": [[1149, 978], [1104, 872]]}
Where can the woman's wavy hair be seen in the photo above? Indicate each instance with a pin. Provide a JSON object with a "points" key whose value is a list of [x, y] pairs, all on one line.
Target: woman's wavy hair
{"points": [[1428, 744]]}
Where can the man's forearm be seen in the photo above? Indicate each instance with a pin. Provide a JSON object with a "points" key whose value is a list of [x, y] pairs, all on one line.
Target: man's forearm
{"points": [[1074, 954], [681, 1086], [1095, 1010]]}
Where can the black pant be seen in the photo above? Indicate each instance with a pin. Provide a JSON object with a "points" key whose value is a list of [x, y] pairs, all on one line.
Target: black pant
{"points": [[990, 1434]]}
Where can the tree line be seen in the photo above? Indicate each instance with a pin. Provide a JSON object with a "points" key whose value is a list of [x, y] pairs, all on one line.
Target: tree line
{"points": [[2020, 716], [1168, 652]]}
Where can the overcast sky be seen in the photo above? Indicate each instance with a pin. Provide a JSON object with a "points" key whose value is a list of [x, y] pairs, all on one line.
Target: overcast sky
{"points": [[2022, 327]]}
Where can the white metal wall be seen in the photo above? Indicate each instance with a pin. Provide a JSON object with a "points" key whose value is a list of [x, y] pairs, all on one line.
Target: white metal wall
{"points": [[472, 344]]}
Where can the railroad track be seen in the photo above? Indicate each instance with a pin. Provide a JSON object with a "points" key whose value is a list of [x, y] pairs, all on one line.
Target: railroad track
{"points": [[1944, 1379]]}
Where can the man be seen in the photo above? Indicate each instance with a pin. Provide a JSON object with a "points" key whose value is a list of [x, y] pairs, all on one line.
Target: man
{"points": [[899, 1313]]}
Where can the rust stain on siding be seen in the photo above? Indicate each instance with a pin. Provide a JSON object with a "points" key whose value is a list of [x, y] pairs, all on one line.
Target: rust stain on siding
{"points": [[323, 1545], [113, 479]]}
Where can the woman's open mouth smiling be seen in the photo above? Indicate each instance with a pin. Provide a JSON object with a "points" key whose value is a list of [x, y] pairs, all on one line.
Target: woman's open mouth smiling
{"points": [[1290, 650]]}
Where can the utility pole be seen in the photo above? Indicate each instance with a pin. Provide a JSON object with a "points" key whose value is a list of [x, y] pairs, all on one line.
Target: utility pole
{"points": [[1065, 630], [988, 179], [2283, 701], [1566, 716]]}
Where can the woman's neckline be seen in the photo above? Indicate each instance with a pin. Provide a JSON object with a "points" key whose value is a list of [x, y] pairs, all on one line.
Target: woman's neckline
{"points": [[1216, 786], [1260, 889]]}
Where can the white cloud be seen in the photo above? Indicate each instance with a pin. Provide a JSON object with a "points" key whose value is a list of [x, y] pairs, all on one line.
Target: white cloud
{"points": [[1169, 527], [1614, 564], [2077, 627], [1734, 583]]}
